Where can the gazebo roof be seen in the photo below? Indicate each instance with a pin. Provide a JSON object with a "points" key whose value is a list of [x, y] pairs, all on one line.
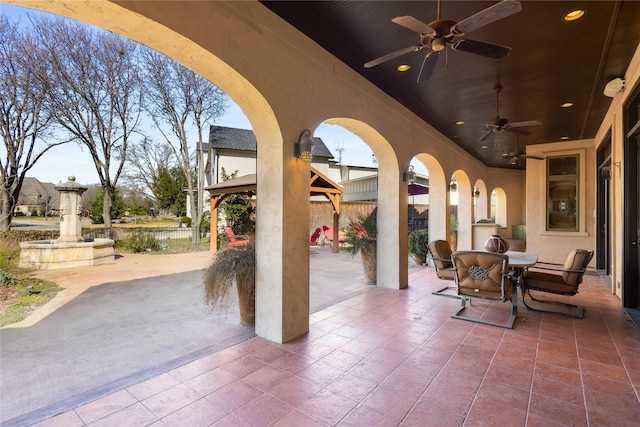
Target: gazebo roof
{"points": [[247, 185]]}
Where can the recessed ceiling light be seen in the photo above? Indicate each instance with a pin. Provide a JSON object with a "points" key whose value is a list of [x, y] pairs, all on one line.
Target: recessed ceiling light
{"points": [[574, 15], [459, 122], [567, 104], [564, 137], [403, 67], [484, 147]]}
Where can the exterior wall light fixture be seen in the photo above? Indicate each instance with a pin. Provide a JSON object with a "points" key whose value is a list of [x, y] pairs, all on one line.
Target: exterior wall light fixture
{"points": [[304, 146], [409, 175]]}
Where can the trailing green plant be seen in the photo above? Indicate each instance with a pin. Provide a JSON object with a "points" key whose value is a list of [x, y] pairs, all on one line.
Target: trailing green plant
{"points": [[227, 266], [360, 234], [142, 242], [419, 242]]}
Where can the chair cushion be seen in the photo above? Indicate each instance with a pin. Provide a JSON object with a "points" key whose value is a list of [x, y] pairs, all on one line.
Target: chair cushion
{"points": [[446, 273], [481, 274], [576, 260], [548, 282], [441, 252]]}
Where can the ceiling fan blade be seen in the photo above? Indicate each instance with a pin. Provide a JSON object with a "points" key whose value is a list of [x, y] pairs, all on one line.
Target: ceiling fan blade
{"points": [[487, 16], [486, 135], [392, 55], [532, 156], [523, 124], [489, 50], [516, 130], [428, 65], [413, 24]]}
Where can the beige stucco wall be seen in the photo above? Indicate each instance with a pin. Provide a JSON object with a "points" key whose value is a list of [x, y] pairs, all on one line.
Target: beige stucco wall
{"points": [[553, 246], [614, 122]]}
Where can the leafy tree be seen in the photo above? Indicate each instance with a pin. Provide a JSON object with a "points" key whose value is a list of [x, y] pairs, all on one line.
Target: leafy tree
{"points": [[178, 97], [236, 208], [167, 188], [25, 116], [95, 93], [97, 207]]}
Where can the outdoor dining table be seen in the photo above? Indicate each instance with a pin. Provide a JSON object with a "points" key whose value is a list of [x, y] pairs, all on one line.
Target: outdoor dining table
{"points": [[518, 261]]}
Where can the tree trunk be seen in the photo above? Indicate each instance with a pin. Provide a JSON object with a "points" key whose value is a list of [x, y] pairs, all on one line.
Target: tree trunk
{"points": [[6, 211], [107, 202]]}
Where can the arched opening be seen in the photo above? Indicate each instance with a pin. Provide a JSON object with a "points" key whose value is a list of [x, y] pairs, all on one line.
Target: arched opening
{"points": [[499, 207]]}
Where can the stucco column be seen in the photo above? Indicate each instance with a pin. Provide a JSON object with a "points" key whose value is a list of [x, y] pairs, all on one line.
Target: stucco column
{"points": [[70, 224], [392, 242], [282, 241]]}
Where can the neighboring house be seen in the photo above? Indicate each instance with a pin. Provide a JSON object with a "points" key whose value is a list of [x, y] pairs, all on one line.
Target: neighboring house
{"points": [[235, 150], [37, 197]]}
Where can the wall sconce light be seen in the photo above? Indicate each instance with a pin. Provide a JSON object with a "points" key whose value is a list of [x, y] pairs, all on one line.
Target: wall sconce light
{"points": [[453, 185], [304, 146], [476, 192], [409, 175]]}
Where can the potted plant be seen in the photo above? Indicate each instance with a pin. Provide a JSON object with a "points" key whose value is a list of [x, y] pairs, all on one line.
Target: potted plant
{"points": [[360, 236], [233, 265], [418, 246]]}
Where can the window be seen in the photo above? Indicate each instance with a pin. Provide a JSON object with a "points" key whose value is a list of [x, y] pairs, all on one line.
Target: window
{"points": [[563, 173]]}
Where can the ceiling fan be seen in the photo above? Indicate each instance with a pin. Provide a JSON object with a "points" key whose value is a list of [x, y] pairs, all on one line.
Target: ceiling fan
{"points": [[438, 33], [500, 123], [515, 157]]}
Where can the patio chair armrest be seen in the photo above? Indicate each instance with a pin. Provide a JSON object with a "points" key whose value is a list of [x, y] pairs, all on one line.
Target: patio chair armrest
{"points": [[557, 270]]}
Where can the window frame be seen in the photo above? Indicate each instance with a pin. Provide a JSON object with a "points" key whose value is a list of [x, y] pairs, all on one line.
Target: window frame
{"points": [[580, 175]]}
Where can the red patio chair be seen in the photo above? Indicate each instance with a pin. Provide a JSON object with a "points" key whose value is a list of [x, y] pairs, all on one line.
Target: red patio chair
{"points": [[236, 241], [328, 234], [313, 241]]}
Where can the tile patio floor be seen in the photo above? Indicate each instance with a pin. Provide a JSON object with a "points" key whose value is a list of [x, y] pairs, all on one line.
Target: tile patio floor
{"points": [[396, 358]]}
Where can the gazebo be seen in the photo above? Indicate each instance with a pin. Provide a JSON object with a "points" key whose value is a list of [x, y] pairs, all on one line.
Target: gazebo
{"points": [[246, 185]]}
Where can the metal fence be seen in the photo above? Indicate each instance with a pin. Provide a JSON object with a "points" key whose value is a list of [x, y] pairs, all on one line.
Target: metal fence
{"points": [[171, 238]]}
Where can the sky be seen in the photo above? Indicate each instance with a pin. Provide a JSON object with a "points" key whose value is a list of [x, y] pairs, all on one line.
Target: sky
{"points": [[60, 162]]}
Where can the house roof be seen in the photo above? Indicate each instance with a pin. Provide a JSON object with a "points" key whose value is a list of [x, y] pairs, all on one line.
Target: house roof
{"points": [[226, 138], [34, 192]]}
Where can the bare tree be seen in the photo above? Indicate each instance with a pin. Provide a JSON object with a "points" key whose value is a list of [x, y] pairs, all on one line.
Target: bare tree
{"points": [[95, 93], [144, 159], [24, 117], [180, 98]]}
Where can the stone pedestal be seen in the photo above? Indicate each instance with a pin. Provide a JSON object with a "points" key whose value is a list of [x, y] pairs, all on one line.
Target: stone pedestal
{"points": [[70, 223]]}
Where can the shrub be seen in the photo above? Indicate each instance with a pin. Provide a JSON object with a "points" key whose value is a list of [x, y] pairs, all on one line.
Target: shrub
{"points": [[143, 242], [419, 242], [6, 279], [186, 220]]}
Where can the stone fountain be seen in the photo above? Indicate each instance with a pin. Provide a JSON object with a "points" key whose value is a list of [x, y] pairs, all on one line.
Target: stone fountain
{"points": [[70, 249]]}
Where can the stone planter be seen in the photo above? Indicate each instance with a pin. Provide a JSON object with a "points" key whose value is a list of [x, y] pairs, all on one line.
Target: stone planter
{"points": [[419, 259], [246, 286], [369, 263]]}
